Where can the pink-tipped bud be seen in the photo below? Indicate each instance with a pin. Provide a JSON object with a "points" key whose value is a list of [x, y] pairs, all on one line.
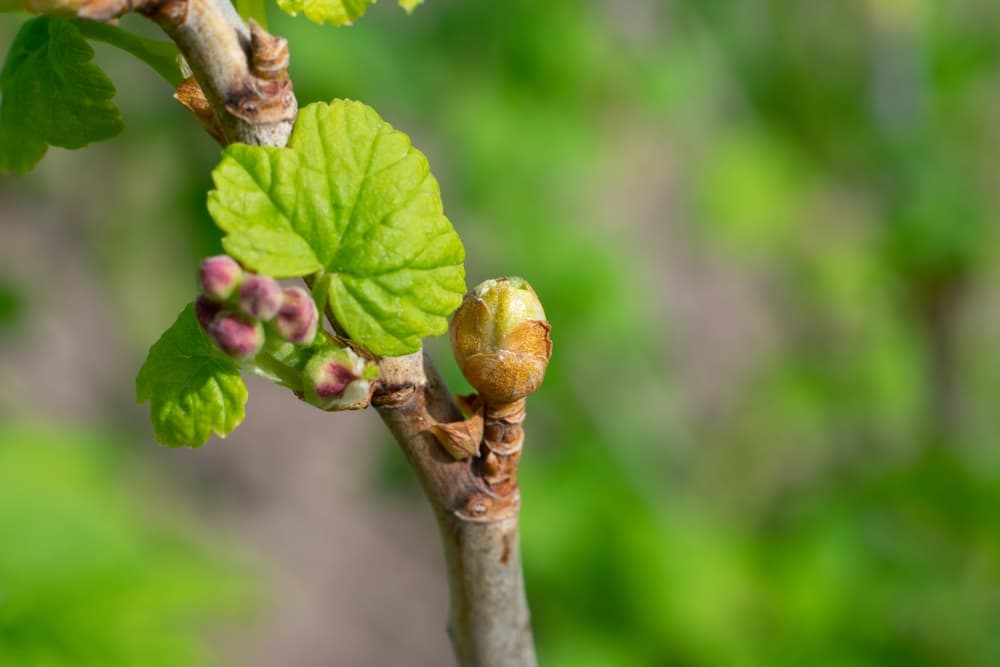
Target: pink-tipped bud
{"points": [[260, 297], [297, 319], [205, 310], [239, 336], [219, 276], [338, 379]]}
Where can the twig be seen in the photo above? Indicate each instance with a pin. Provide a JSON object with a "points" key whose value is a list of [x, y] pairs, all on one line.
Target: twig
{"points": [[253, 105], [242, 73], [489, 624]]}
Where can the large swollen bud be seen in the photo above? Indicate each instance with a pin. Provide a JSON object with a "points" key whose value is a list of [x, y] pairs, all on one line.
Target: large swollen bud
{"points": [[338, 379], [500, 338], [297, 320], [219, 277]]}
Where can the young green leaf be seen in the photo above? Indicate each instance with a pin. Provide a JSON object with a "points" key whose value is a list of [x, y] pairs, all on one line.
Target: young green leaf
{"points": [[193, 388], [52, 94], [349, 196], [336, 12]]}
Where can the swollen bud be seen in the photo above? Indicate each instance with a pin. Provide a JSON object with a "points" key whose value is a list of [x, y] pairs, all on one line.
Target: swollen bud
{"points": [[219, 277], [500, 339], [239, 336], [338, 379], [260, 297], [297, 319]]}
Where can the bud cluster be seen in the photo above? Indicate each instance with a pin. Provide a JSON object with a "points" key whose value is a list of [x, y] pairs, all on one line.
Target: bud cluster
{"points": [[234, 305]]}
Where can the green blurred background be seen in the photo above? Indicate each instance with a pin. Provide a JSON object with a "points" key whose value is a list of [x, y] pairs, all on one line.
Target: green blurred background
{"points": [[765, 232]]}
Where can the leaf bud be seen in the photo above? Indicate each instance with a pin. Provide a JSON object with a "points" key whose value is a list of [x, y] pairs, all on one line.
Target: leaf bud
{"points": [[500, 339], [219, 276], [260, 297], [297, 320], [338, 379], [239, 336]]}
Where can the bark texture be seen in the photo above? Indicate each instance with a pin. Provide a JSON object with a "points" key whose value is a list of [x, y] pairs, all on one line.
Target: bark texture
{"points": [[489, 621]]}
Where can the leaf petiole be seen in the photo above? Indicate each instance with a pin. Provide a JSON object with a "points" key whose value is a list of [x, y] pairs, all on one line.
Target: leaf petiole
{"points": [[161, 56], [268, 366]]}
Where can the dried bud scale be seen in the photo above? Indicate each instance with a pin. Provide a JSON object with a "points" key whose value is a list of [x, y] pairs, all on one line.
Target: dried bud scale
{"points": [[500, 339], [219, 276], [297, 320], [269, 54]]}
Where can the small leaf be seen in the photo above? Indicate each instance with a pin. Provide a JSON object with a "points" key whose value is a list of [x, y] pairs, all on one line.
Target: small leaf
{"points": [[192, 387], [349, 196], [410, 5], [52, 94], [334, 12]]}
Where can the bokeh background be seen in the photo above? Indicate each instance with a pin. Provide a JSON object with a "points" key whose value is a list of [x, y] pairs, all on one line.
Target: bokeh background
{"points": [[765, 232]]}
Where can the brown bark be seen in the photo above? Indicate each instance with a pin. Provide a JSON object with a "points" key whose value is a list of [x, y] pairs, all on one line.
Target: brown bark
{"points": [[490, 622], [242, 70]]}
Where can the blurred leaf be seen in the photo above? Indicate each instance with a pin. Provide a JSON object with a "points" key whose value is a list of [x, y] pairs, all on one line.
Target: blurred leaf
{"points": [[752, 193], [89, 576], [11, 303], [52, 94], [334, 12]]}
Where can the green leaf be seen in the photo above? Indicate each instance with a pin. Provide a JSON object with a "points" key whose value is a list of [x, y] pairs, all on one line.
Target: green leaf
{"points": [[52, 94], [350, 197], [334, 12], [193, 388]]}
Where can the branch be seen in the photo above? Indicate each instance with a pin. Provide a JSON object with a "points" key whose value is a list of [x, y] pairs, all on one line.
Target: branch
{"points": [[241, 70], [490, 623], [241, 92]]}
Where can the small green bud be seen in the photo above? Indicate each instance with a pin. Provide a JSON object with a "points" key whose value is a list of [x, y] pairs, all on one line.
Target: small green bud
{"points": [[260, 297], [297, 320], [239, 336], [219, 276], [338, 379], [500, 339]]}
